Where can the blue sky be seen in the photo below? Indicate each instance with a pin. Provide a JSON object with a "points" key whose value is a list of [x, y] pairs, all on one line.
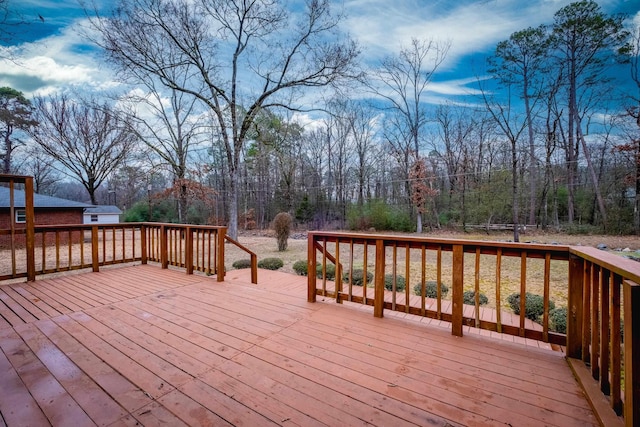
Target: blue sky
{"points": [[52, 56]]}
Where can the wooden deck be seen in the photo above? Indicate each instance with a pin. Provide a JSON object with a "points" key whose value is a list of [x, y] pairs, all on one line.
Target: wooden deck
{"points": [[145, 346]]}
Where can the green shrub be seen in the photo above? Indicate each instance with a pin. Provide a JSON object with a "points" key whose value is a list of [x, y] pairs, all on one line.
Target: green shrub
{"points": [[241, 263], [534, 305], [558, 320], [357, 278], [270, 263], [400, 282], [431, 289], [300, 267], [330, 271], [469, 297]]}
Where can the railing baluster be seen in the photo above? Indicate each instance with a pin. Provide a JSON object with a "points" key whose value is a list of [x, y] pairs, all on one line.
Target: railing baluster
{"points": [[614, 310], [545, 293], [378, 298], [338, 278], [350, 269], [523, 292], [498, 285], [408, 288], [364, 273], [595, 327], [394, 282], [57, 250], [586, 312], [423, 281], [457, 286], [605, 278], [476, 287], [439, 282]]}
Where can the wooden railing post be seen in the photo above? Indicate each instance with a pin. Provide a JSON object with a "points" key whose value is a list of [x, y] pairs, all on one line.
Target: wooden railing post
{"points": [[143, 244], [631, 353], [575, 314], [31, 235], [164, 255], [254, 269], [311, 268], [95, 260], [378, 301], [188, 250], [457, 285], [222, 232]]}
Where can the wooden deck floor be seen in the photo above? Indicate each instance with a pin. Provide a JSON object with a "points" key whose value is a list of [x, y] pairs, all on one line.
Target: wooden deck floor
{"points": [[145, 346]]}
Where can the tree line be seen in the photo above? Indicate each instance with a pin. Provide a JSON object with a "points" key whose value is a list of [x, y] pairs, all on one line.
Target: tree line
{"points": [[214, 126]]}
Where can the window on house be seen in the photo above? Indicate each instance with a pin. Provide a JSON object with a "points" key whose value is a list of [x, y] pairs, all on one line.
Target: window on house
{"points": [[21, 216], [94, 218]]}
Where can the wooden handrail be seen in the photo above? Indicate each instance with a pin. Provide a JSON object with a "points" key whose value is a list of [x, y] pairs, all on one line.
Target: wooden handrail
{"points": [[252, 255]]}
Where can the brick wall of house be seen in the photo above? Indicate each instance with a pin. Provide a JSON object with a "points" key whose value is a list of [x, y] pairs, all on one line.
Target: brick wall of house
{"points": [[44, 217]]}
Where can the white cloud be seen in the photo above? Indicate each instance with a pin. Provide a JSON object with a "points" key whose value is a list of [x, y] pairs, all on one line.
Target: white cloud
{"points": [[470, 26], [56, 62]]}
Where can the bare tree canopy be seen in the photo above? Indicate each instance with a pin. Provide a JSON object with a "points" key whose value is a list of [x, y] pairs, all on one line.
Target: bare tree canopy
{"points": [[89, 140], [402, 82], [240, 57]]}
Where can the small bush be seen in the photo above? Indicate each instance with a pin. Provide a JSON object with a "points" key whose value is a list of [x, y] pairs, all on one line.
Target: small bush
{"points": [[534, 305], [558, 320], [431, 289], [400, 282], [241, 263], [330, 271], [469, 297], [270, 263], [282, 226], [357, 278], [300, 267]]}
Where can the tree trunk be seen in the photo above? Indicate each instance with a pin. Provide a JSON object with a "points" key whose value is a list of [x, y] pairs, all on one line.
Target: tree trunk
{"points": [[232, 229], [594, 177], [514, 187]]}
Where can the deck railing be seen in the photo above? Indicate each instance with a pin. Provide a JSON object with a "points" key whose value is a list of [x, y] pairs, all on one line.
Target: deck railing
{"points": [[384, 271], [72, 247]]}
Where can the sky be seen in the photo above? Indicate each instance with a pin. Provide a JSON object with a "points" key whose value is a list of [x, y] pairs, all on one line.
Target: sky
{"points": [[51, 55]]}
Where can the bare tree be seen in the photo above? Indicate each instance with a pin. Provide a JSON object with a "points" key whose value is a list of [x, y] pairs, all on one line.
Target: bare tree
{"points": [[89, 141], [169, 124], [512, 127], [402, 81], [241, 57], [583, 37]]}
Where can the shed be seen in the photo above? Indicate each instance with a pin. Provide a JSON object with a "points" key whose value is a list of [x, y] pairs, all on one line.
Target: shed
{"points": [[102, 214]]}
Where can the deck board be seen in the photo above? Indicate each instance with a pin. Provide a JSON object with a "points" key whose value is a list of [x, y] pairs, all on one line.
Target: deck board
{"points": [[145, 346]]}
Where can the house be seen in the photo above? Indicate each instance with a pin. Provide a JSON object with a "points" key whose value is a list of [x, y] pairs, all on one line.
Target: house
{"points": [[47, 211], [102, 214]]}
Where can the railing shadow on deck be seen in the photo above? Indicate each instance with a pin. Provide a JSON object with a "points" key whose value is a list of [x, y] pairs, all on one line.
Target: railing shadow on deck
{"points": [[60, 248], [601, 292]]}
